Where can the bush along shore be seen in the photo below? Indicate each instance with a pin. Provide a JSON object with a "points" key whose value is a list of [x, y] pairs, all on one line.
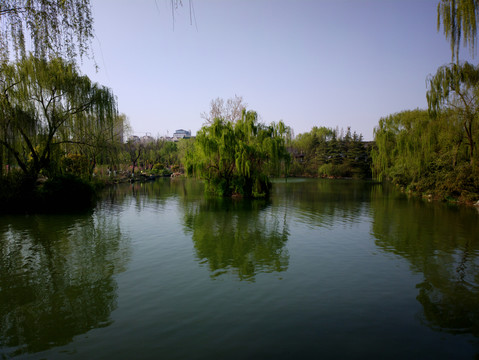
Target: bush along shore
{"points": [[21, 194], [66, 193]]}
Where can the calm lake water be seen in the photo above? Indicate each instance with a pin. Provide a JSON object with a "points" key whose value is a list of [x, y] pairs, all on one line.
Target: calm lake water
{"points": [[324, 269]]}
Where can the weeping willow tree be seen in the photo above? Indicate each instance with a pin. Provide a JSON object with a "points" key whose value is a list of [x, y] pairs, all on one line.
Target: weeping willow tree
{"points": [[48, 109], [235, 158], [456, 87], [404, 146], [424, 156], [458, 19]]}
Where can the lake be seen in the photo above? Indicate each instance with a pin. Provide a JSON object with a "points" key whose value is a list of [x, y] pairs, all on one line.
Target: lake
{"points": [[323, 269]]}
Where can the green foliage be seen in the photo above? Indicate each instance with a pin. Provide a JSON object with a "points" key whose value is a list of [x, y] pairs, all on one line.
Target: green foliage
{"points": [[324, 152], [151, 155], [424, 156], [159, 151], [54, 123], [459, 20], [402, 146], [158, 168], [456, 87], [47, 107], [54, 27], [235, 158], [76, 164], [161, 170]]}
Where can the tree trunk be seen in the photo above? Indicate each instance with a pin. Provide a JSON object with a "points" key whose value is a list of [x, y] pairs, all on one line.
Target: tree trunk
{"points": [[468, 128]]}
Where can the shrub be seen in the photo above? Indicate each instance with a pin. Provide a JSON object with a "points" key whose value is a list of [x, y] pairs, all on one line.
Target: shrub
{"points": [[66, 193]]}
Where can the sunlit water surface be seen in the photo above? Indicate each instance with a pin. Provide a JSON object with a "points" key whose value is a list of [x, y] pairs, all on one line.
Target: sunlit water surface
{"points": [[324, 269]]}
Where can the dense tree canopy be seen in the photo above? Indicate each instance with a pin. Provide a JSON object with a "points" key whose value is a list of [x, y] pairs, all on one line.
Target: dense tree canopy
{"points": [[330, 153], [456, 87], [237, 157], [47, 106], [424, 156]]}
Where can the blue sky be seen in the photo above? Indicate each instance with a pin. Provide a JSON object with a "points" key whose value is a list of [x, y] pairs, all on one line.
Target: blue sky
{"points": [[335, 63]]}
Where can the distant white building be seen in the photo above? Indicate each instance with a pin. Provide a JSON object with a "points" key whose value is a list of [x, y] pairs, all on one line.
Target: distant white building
{"points": [[181, 134]]}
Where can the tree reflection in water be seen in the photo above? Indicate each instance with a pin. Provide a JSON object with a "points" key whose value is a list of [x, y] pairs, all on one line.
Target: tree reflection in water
{"points": [[244, 237], [57, 278], [440, 242], [323, 202]]}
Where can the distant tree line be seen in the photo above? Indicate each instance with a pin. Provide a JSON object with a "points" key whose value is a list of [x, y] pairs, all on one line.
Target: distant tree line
{"points": [[327, 152]]}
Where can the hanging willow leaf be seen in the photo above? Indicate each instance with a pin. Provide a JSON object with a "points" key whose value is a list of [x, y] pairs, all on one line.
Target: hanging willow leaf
{"points": [[458, 19], [54, 27]]}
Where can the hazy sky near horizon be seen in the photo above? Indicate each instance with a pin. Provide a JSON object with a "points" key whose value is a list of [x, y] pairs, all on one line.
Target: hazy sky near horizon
{"points": [[333, 63]]}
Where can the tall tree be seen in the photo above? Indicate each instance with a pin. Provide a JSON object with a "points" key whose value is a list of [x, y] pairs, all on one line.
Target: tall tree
{"points": [[48, 103]]}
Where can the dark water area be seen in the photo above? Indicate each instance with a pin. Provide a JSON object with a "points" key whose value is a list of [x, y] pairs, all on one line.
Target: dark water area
{"points": [[323, 269]]}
